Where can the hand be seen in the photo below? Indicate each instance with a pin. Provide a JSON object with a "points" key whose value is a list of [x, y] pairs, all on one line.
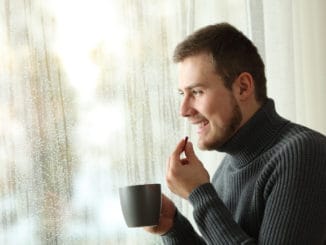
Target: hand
{"points": [[166, 219], [184, 175]]}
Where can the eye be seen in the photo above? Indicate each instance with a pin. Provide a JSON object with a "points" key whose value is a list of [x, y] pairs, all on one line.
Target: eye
{"points": [[180, 92], [196, 92]]}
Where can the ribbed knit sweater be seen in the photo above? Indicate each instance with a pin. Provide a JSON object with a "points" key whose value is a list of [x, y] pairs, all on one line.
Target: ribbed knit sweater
{"points": [[269, 189]]}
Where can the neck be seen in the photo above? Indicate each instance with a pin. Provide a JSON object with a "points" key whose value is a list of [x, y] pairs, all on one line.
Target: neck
{"points": [[248, 109], [255, 134]]}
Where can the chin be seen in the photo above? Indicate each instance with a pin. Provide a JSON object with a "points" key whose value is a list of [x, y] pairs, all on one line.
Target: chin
{"points": [[209, 145], [206, 146]]}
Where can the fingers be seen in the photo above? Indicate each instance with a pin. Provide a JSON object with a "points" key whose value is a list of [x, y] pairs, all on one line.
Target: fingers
{"points": [[166, 218], [185, 143], [190, 153], [188, 148], [180, 147], [183, 146], [166, 203]]}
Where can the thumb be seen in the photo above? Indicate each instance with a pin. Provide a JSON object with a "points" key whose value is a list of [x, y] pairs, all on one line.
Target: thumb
{"points": [[190, 153]]}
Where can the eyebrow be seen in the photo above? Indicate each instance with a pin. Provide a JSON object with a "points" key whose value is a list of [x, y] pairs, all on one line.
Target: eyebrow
{"points": [[191, 86]]}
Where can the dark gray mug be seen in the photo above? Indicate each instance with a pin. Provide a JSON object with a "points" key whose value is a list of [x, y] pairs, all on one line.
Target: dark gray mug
{"points": [[141, 204]]}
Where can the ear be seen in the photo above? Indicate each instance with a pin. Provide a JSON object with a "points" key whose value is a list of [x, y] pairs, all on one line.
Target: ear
{"points": [[243, 86]]}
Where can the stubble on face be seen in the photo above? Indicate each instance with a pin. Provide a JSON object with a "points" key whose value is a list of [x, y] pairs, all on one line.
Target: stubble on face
{"points": [[224, 134]]}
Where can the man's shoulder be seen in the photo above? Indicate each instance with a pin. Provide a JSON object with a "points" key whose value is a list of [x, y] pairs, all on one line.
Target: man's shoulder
{"points": [[293, 133], [295, 140]]}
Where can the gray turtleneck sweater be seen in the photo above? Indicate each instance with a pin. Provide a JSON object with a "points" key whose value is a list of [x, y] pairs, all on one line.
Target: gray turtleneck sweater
{"points": [[269, 189]]}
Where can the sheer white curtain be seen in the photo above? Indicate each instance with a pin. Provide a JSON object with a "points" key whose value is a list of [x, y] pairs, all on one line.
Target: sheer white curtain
{"points": [[295, 55], [88, 103]]}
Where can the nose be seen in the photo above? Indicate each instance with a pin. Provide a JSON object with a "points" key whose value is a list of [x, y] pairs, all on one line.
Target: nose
{"points": [[186, 107]]}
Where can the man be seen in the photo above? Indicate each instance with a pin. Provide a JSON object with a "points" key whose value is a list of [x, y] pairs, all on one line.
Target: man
{"points": [[271, 186]]}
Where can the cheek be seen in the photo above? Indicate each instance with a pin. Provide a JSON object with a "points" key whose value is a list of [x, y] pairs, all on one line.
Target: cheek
{"points": [[221, 113]]}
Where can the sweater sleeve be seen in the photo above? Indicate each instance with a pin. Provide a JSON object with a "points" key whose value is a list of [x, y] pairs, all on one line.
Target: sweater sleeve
{"points": [[182, 232], [214, 220]]}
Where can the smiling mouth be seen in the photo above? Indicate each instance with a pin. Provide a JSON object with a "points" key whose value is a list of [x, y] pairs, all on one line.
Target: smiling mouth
{"points": [[201, 126]]}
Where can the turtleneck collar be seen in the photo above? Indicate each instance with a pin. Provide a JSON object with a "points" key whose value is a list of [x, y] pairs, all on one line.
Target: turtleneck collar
{"points": [[255, 135]]}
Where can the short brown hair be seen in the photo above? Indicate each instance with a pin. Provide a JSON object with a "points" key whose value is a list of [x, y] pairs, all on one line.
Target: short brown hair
{"points": [[232, 52]]}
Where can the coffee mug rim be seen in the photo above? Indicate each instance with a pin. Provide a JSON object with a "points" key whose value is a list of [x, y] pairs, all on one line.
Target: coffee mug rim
{"points": [[139, 185]]}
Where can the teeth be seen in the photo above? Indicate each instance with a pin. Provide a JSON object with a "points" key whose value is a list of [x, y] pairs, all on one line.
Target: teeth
{"points": [[202, 123]]}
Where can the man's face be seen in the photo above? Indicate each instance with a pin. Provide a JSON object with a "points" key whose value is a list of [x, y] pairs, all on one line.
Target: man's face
{"points": [[206, 102]]}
